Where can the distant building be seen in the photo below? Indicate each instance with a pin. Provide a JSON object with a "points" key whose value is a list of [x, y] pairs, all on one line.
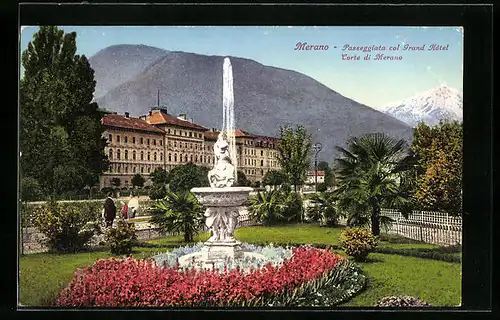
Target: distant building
{"points": [[310, 177], [140, 145]]}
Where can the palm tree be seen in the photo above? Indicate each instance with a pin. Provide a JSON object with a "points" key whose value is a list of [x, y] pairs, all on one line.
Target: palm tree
{"points": [[181, 213], [324, 209], [374, 171], [267, 206]]}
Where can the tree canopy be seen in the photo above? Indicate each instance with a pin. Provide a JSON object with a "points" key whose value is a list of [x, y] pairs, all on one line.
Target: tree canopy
{"points": [[188, 176], [60, 131], [440, 163], [294, 153]]}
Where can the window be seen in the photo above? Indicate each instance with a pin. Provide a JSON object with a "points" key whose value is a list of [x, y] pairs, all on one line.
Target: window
{"points": [[196, 158], [117, 138], [110, 154], [142, 140], [161, 142], [161, 156], [149, 169], [191, 146], [180, 157], [148, 141], [149, 156], [186, 158], [195, 147], [190, 134], [142, 169], [133, 155], [201, 158], [261, 163], [191, 158], [175, 157], [180, 132], [261, 153], [118, 169], [154, 156], [169, 157], [110, 138], [175, 132], [126, 154], [126, 170], [185, 133], [118, 154], [175, 143], [135, 169], [168, 131], [125, 139], [142, 156], [133, 140]]}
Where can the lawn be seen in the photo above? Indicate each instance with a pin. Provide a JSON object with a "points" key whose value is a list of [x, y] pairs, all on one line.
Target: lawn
{"points": [[43, 275]]}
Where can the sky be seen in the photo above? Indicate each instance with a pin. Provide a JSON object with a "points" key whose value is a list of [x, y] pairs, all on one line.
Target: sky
{"points": [[375, 83]]}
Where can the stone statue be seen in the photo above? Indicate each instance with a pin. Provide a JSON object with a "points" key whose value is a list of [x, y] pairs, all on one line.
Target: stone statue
{"points": [[223, 173], [221, 222]]}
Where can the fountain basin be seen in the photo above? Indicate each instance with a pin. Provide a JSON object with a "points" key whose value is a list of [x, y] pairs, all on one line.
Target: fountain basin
{"points": [[222, 197]]}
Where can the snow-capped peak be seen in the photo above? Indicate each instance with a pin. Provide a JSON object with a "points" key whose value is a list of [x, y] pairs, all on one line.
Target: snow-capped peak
{"points": [[431, 106]]}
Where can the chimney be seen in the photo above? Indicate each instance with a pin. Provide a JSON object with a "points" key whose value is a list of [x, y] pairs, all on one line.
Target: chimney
{"points": [[191, 120], [150, 112], [143, 117], [182, 116], [127, 114]]}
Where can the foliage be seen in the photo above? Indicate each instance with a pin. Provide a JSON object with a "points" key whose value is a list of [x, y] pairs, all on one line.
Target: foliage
{"points": [[181, 213], [294, 153], [267, 207], [30, 189], [158, 191], [121, 239], [423, 253], [255, 184], [293, 210], [116, 182], [323, 209], [440, 165], [188, 176], [322, 187], [274, 178], [242, 180], [129, 282], [160, 176], [60, 132], [357, 242], [329, 173], [401, 301], [138, 180], [67, 227], [373, 172]]}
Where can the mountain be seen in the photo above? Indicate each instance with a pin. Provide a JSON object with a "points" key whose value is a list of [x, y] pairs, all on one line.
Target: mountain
{"points": [[431, 106], [265, 98], [118, 64]]}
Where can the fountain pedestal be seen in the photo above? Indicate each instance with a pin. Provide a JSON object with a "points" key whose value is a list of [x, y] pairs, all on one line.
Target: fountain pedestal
{"points": [[221, 218]]}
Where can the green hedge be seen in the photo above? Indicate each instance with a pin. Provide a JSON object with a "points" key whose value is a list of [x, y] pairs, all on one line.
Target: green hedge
{"points": [[433, 254]]}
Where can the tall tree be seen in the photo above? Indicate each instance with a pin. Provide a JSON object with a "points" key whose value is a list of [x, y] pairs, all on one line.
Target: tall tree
{"points": [[60, 131], [274, 178], [329, 173], [294, 153], [138, 180], [188, 176], [440, 158], [371, 173], [160, 176]]}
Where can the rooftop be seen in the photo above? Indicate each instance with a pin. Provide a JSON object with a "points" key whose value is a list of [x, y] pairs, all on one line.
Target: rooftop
{"points": [[119, 121], [161, 117]]}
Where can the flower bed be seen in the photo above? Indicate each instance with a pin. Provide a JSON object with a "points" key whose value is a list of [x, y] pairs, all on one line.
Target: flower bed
{"points": [[140, 283]]}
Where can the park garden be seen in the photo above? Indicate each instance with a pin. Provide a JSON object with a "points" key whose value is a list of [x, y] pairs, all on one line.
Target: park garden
{"points": [[328, 248]]}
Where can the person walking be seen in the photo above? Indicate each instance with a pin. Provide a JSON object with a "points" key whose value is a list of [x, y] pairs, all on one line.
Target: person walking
{"points": [[109, 210], [133, 206]]}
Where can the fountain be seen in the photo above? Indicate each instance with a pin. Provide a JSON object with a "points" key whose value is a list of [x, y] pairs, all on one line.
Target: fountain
{"points": [[221, 199]]}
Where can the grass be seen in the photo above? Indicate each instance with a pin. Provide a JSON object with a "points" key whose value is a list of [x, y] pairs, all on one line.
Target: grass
{"points": [[43, 275], [436, 282]]}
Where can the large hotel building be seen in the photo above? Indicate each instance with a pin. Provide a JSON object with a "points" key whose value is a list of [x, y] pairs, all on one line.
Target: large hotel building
{"points": [[140, 145]]}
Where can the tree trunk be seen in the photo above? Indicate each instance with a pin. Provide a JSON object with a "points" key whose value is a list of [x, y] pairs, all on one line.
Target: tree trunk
{"points": [[375, 219]]}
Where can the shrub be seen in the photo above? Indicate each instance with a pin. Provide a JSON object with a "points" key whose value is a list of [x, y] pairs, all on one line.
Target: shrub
{"points": [[322, 187], [68, 227], [157, 192], [357, 242], [294, 207], [31, 189], [128, 282], [401, 301], [122, 238]]}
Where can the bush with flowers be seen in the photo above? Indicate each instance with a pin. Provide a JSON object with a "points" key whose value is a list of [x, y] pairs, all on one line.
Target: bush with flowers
{"points": [[142, 283], [122, 238], [357, 242], [67, 227]]}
